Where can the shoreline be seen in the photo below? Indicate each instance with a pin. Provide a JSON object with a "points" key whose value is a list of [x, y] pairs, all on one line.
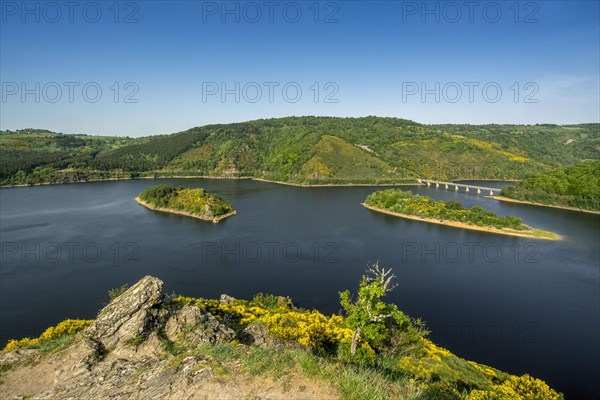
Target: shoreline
{"points": [[24, 185], [213, 177], [125, 179], [485, 180], [462, 225], [334, 184], [416, 183], [531, 203], [214, 220]]}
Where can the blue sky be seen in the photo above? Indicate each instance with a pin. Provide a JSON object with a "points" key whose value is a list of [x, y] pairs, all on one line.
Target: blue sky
{"points": [[162, 67]]}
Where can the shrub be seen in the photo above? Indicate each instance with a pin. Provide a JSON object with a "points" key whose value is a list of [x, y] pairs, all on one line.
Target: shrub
{"points": [[66, 327], [116, 292], [308, 328], [194, 201], [382, 326]]}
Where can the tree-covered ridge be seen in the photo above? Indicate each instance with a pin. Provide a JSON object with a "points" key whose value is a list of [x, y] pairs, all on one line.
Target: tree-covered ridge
{"points": [[574, 186], [402, 202], [554, 145], [38, 156], [308, 150], [194, 201]]}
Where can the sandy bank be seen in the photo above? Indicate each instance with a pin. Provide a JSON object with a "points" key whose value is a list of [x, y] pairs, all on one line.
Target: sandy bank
{"points": [[335, 184], [534, 234]]}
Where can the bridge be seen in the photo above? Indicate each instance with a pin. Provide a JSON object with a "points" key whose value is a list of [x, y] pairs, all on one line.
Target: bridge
{"points": [[468, 188]]}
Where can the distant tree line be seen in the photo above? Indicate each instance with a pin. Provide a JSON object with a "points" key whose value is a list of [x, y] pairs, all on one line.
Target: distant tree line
{"points": [[575, 186], [284, 149]]}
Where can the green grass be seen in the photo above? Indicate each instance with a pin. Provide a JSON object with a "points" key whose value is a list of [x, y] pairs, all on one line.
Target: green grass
{"points": [[55, 345], [267, 361], [353, 382], [538, 233]]}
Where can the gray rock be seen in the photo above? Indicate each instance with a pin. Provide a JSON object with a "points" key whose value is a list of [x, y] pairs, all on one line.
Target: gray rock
{"points": [[256, 334], [103, 364], [196, 326], [131, 315], [227, 299]]}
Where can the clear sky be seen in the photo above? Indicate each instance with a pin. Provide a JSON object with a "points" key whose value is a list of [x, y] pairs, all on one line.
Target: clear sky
{"points": [[163, 66]]}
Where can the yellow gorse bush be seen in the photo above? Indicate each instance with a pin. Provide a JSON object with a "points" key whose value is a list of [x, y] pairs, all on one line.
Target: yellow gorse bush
{"points": [[433, 351], [193, 200], [416, 367], [496, 385], [308, 328], [66, 327], [523, 387], [490, 373], [313, 329]]}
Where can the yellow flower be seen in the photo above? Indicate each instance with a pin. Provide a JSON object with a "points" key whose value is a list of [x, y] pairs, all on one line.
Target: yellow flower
{"points": [[66, 327]]}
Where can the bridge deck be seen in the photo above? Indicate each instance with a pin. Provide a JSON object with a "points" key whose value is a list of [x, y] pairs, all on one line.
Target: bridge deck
{"points": [[461, 185]]}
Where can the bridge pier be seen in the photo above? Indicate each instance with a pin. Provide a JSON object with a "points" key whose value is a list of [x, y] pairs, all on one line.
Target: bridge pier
{"points": [[458, 186]]}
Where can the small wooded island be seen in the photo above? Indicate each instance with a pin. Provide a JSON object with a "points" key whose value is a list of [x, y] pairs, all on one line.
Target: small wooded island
{"points": [[422, 208], [195, 203]]}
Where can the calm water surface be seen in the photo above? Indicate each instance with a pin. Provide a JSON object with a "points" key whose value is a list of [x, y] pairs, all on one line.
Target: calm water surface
{"points": [[518, 304]]}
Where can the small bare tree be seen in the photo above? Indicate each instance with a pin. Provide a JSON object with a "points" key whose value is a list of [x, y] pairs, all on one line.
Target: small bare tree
{"points": [[368, 313]]}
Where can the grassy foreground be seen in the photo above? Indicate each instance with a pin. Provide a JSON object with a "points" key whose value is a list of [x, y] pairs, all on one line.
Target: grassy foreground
{"points": [[372, 351]]}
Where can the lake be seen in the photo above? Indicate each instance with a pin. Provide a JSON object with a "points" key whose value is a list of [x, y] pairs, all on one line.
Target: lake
{"points": [[520, 305]]}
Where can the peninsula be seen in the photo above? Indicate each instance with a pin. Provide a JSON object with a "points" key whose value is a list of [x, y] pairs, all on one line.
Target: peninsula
{"points": [[576, 188], [195, 203], [451, 213]]}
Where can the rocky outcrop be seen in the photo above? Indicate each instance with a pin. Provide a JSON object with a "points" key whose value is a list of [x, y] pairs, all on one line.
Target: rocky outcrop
{"points": [[123, 355], [129, 317], [195, 326]]}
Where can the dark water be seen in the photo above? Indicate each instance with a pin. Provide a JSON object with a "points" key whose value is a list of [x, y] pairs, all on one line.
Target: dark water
{"points": [[518, 304]]}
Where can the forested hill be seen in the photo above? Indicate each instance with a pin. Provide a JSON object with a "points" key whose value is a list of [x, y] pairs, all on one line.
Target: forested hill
{"points": [[304, 150], [575, 186]]}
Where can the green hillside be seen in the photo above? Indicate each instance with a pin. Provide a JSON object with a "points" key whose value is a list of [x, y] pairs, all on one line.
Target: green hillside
{"points": [[551, 144], [305, 150], [35, 155], [575, 186], [336, 158]]}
